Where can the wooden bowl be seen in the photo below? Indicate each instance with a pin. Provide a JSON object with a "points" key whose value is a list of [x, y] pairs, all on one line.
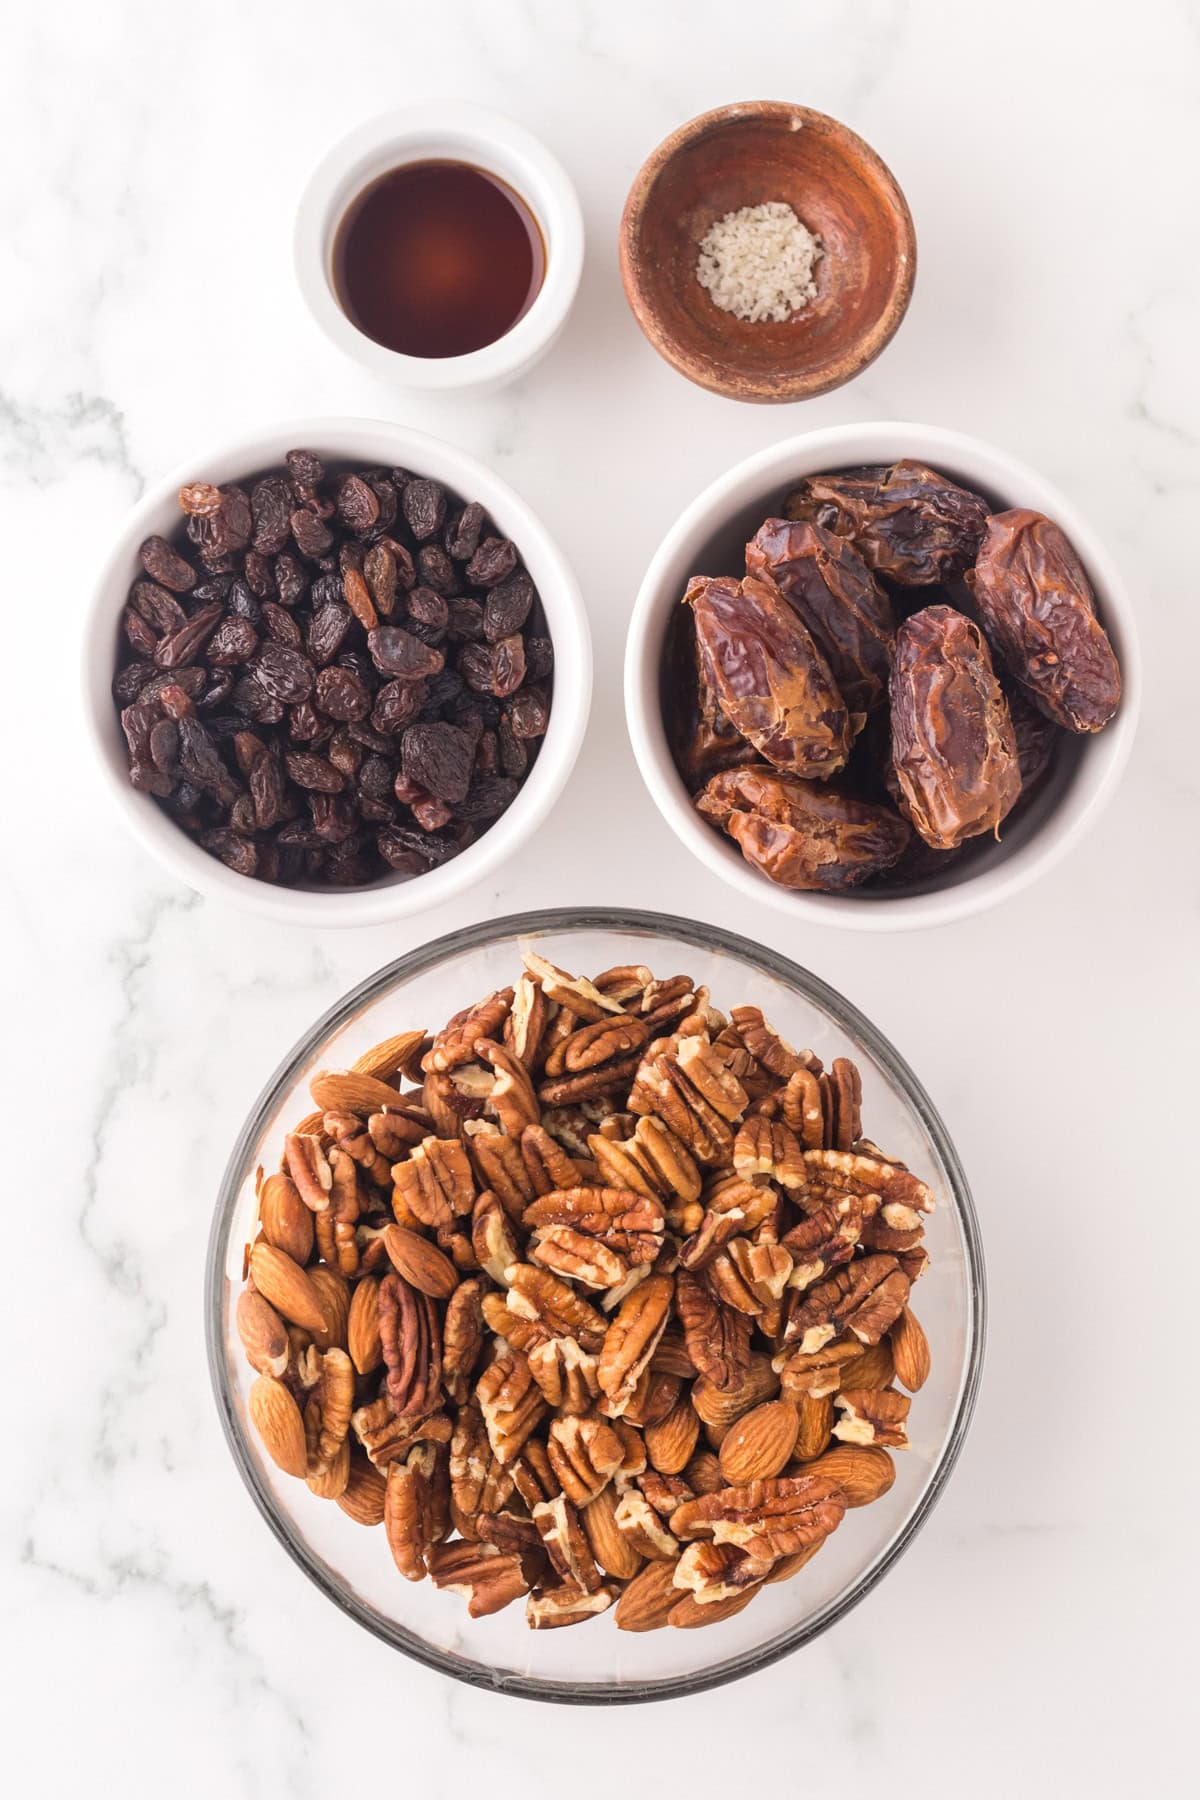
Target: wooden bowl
{"points": [[743, 155]]}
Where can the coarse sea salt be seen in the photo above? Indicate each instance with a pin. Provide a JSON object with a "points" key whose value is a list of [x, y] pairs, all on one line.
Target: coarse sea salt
{"points": [[758, 263]]}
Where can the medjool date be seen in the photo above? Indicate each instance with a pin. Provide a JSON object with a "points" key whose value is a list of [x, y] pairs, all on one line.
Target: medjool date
{"points": [[770, 678], [1036, 605], [803, 834], [953, 745], [847, 612], [907, 522]]}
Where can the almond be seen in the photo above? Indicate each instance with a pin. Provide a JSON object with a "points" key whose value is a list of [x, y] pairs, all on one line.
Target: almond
{"points": [[286, 1221], [362, 1326], [647, 1602], [863, 1473], [872, 1369], [703, 1473], [421, 1263], [263, 1333], [609, 1545], [394, 1056], [910, 1353], [688, 1613], [815, 1414], [671, 1442], [362, 1497], [719, 1407], [333, 1297], [760, 1443], [351, 1091], [333, 1482], [278, 1423], [288, 1287]]}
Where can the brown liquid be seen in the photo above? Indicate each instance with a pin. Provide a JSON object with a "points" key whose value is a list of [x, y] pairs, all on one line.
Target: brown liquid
{"points": [[437, 259]]}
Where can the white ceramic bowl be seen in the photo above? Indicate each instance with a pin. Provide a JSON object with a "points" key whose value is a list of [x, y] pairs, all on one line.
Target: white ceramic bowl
{"points": [[367, 442], [433, 132], [709, 539]]}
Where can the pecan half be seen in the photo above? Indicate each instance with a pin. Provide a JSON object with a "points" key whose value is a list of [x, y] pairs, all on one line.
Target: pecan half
{"points": [[717, 1337], [511, 1403], [766, 1519], [630, 1340], [490, 1579], [435, 1183], [865, 1298], [411, 1340], [455, 1042], [872, 1416]]}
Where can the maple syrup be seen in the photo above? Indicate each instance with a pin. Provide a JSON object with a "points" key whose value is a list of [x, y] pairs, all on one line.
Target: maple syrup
{"points": [[438, 259]]}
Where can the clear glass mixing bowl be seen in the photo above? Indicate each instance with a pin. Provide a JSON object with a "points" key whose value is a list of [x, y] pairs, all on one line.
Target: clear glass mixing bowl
{"points": [[594, 1662]]}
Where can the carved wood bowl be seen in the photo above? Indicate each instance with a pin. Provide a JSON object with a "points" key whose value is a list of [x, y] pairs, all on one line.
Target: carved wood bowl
{"points": [[744, 155]]}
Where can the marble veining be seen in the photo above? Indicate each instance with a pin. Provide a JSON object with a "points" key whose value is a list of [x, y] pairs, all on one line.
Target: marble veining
{"points": [[1037, 1635]]}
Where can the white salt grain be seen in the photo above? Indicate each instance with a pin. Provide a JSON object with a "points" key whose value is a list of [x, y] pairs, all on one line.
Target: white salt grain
{"points": [[758, 263]]}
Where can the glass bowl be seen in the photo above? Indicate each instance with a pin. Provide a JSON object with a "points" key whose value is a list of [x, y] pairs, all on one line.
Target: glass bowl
{"points": [[595, 1662]]}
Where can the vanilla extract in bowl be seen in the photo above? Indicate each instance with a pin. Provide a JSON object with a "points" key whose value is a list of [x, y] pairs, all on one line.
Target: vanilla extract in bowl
{"points": [[438, 259]]}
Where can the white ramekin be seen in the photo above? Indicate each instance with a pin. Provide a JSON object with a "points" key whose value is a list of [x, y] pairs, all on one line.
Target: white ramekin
{"points": [[708, 538], [456, 132], [368, 442]]}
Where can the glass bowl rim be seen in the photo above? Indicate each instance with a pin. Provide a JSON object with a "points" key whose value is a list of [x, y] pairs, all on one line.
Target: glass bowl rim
{"points": [[706, 937]]}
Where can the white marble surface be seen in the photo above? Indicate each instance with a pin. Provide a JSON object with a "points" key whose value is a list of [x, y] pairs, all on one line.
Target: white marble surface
{"points": [[156, 1641]]}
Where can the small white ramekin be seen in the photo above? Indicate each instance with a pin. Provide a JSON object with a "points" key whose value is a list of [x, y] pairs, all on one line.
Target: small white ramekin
{"points": [[432, 132], [367, 442], [708, 539]]}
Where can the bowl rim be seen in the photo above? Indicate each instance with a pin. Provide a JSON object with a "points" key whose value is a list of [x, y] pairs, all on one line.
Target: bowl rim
{"points": [[494, 142], [709, 937], [775, 388], [340, 437], [839, 445]]}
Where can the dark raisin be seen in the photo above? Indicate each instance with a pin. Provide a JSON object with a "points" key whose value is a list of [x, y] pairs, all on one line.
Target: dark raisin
{"points": [[508, 606], [284, 673], [423, 504], [341, 695], [428, 608], [182, 645], [396, 704], [217, 690], [166, 566], [465, 620], [440, 758], [495, 668], [397, 652], [313, 537], [129, 681], [514, 757], [495, 558], [280, 626], [237, 853], [291, 579], [387, 499], [326, 629], [356, 504], [305, 724], [271, 511], [306, 470], [157, 606], [529, 711], [219, 535], [259, 575], [234, 641], [539, 658], [243, 603], [375, 777], [140, 635], [201, 761], [463, 532], [490, 795], [252, 698], [435, 570], [344, 753], [379, 573], [334, 816]]}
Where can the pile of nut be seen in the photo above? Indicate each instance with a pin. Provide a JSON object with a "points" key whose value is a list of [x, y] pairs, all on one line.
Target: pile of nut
{"points": [[837, 712], [353, 681], [606, 1309]]}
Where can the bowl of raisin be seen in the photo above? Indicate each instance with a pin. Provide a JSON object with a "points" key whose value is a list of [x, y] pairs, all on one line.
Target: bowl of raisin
{"points": [[335, 672], [881, 676]]}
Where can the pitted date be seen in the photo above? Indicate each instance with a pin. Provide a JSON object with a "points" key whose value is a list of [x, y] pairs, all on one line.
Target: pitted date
{"points": [[1036, 605], [804, 834], [702, 739], [330, 675], [770, 678], [848, 614], [907, 522], [953, 745]]}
